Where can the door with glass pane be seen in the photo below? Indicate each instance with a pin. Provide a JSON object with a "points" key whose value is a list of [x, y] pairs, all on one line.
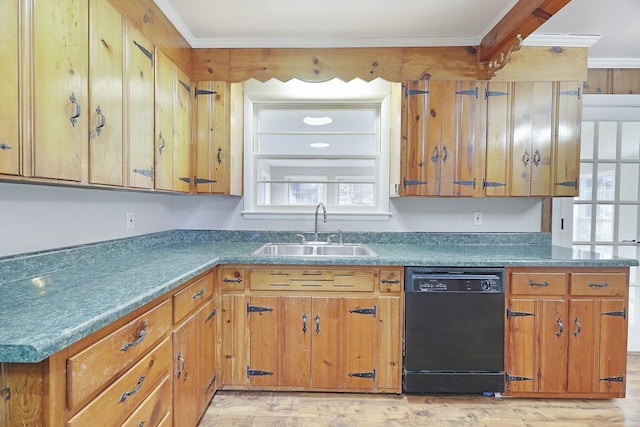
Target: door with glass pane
{"points": [[606, 214]]}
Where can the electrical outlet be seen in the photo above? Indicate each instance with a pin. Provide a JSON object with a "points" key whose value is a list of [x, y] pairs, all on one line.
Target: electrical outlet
{"points": [[131, 220], [477, 218]]}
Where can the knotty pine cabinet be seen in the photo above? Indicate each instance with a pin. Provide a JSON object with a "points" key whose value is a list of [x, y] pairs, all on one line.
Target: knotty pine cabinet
{"points": [[57, 67], [219, 138], [173, 128], [315, 328], [106, 101], [443, 138], [566, 332], [9, 95]]}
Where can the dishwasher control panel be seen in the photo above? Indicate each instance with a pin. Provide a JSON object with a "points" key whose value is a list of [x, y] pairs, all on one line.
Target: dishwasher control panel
{"points": [[467, 280]]}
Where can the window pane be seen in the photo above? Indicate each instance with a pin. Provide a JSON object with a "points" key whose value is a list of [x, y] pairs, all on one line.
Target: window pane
{"points": [[356, 194], [604, 223], [306, 193], [300, 144], [581, 223], [607, 137], [628, 223], [606, 182], [606, 252], [629, 178], [630, 141], [586, 140], [586, 181]]}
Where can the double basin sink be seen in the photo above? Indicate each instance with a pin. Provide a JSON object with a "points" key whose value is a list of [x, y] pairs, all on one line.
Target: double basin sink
{"points": [[315, 249]]}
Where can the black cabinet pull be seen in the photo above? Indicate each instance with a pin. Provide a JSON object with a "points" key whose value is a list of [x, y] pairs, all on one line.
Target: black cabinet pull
{"points": [[579, 326], [132, 392], [304, 323], [74, 118], [198, 294], [141, 335], [102, 120], [317, 323], [560, 327]]}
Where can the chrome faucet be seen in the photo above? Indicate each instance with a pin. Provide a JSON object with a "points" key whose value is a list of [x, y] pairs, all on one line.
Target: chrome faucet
{"points": [[324, 214]]}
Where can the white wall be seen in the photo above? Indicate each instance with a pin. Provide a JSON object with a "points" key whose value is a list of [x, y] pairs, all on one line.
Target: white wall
{"points": [[407, 214], [36, 217]]}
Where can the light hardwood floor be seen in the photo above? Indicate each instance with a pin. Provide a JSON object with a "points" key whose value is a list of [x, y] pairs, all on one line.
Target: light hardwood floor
{"points": [[240, 409]]}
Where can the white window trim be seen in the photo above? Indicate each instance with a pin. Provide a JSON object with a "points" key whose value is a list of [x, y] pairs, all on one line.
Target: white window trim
{"points": [[380, 212]]}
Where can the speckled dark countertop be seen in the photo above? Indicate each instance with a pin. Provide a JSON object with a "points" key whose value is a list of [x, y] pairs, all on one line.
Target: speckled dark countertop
{"points": [[52, 299]]}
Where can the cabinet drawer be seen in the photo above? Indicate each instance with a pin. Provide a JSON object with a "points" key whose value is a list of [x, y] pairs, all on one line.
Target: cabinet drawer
{"points": [[523, 283], [613, 284], [121, 398], [232, 279], [88, 370], [391, 281], [312, 280], [154, 408], [185, 301]]}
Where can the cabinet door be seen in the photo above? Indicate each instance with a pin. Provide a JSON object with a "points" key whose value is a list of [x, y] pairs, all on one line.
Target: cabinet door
{"points": [[567, 143], [165, 79], [9, 106], [264, 342], [297, 328], [212, 137], [234, 326], [532, 116], [521, 346], [182, 132], [139, 109], [359, 336], [60, 124], [553, 339], [207, 321], [106, 100], [185, 373], [583, 341], [327, 344], [389, 344], [414, 153], [471, 134], [498, 96], [612, 350]]}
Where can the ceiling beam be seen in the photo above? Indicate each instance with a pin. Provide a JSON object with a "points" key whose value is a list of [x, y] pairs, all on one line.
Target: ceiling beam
{"points": [[523, 19]]}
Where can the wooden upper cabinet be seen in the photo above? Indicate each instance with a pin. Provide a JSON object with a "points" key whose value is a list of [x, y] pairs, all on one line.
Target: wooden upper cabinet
{"points": [[414, 150], [164, 95], [59, 32], [182, 132], [568, 128], [106, 94], [139, 106], [218, 140], [498, 96], [532, 134], [9, 96]]}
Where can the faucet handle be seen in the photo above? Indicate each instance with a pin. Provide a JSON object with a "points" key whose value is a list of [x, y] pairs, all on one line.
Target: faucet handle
{"points": [[301, 236], [340, 240], [329, 237]]}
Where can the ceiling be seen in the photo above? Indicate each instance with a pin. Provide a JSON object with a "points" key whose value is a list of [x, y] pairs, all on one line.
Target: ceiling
{"points": [[610, 28]]}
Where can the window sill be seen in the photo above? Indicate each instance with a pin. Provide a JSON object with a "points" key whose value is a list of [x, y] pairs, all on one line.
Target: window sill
{"points": [[332, 216]]}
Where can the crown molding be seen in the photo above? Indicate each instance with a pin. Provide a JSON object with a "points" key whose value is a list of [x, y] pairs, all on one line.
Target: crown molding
{"points": [[168, 11], [613, 63], [566, 40]]}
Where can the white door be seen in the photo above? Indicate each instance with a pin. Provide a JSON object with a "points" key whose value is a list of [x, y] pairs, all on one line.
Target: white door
{"points": [[605, 217]]}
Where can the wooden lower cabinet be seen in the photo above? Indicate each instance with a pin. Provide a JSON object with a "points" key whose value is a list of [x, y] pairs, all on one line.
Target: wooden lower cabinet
{"points": [[567, 332], [313, 340]]}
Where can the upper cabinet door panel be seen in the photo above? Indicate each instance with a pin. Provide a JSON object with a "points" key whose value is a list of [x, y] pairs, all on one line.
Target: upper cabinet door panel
{"points": [[567, 144], [106, 101], [414, 139], [498, 96], [9, 133], [165, 88], [182, 132], [471, 136], [59, 31], [140, 108]]}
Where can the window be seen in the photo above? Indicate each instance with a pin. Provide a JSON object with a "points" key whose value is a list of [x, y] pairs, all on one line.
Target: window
{"points": [[305, 151]]}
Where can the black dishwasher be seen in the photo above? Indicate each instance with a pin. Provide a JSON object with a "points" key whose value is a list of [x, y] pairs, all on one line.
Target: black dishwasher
{"points": [[454, 330]]}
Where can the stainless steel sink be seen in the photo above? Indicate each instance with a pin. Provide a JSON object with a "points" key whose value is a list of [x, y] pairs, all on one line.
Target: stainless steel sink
{"points": [[318, 249]]}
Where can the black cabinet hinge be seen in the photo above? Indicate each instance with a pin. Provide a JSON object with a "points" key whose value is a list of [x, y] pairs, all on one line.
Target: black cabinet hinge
{"points": [[257, 372], [185, 86], [211, 315], [406, 182], [622, 313], [204, 92], [409, 92], [371, 311], [509, 378], [4, 146], [486, 184], [371, 374], [211, 382], [197, 180], [619, 379], [144, 172], [467, 183], [571, 92], [255, 309], [573, 183], [488, 93], [473, 92], [185, 179], [511, 314], [144, 50]]}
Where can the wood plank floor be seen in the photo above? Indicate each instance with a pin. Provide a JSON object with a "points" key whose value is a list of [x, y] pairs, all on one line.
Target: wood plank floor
{"points": [[240, 409]]}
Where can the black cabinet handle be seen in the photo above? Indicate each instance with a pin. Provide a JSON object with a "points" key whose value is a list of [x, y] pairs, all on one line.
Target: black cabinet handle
{"points": [[102, 120], [560, 327], [181, 360], [317, 323], [74, 118], [127, 345], [304, 323], [579, 326], [132, 392], [162, 143], [392, 282], [198, 294]]}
